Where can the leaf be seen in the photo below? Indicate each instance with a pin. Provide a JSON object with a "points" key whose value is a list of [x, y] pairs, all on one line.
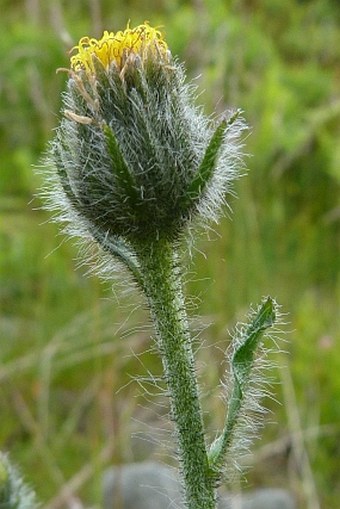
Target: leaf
{"points": [[241, 363], [244, 355]]}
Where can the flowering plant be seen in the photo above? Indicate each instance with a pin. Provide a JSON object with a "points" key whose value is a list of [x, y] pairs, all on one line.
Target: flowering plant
{"points": [[133, 167]]}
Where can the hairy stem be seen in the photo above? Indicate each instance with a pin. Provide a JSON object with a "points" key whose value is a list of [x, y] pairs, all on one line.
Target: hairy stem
{"points": [[163, 288]]}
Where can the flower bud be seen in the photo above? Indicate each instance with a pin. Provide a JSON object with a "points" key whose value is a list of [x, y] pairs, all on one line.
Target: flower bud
{"points": [[14, 493], [135, 157]]}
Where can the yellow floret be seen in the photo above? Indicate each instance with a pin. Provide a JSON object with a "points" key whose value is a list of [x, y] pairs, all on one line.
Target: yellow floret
{"points": [[115, 48]]}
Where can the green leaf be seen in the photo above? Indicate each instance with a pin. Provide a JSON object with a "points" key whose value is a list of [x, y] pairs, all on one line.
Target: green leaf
{"points": [[208, 163], [241, 363], [244, 355]]}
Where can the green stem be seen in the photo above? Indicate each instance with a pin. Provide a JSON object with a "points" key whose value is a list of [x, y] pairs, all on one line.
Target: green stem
{"points": [[163, 287]]}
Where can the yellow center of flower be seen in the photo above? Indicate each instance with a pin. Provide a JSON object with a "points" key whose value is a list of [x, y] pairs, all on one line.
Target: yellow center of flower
{"points": [[116, 48]]}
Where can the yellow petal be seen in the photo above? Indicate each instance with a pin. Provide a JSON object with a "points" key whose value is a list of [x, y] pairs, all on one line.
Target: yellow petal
{"points": [[115, 48]]}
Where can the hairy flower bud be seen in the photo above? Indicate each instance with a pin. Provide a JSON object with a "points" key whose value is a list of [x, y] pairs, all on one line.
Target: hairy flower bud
{"points": [[135, 158], [14, 493]]}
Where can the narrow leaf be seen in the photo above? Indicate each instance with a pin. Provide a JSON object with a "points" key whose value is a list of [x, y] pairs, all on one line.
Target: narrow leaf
{"points": [[241, 363], [244, 355]]}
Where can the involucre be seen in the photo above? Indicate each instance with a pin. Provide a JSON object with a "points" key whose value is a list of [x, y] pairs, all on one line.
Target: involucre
{"points": [[134, 156]]}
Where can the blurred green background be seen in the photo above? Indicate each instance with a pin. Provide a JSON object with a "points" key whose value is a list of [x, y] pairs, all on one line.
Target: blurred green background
{"points": [[71, 345]]}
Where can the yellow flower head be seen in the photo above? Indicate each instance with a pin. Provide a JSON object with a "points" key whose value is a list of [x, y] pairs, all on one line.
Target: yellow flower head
{"points": [[116, 48]]}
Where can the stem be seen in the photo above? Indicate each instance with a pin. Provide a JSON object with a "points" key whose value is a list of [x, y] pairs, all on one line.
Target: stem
{"points": [[163, 288]]}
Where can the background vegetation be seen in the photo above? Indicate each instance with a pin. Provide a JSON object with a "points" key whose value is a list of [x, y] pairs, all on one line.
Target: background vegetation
{"points": [[69, 343]]}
